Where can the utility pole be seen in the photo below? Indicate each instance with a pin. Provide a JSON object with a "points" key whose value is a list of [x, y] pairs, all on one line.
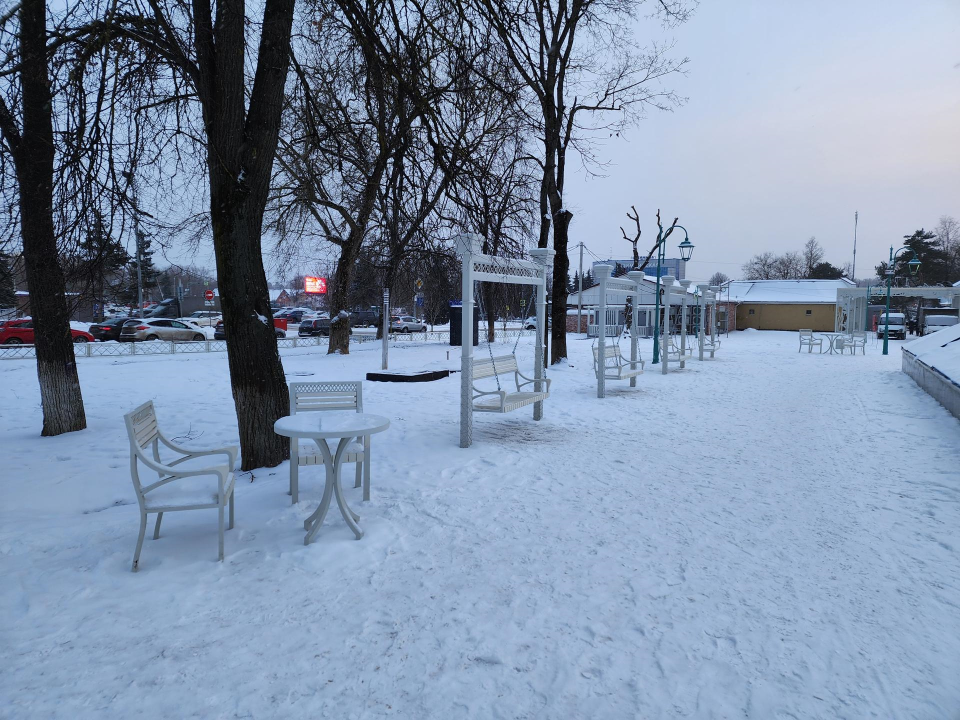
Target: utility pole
{"points": [[853, 270], [136, 233], [580, 292]]}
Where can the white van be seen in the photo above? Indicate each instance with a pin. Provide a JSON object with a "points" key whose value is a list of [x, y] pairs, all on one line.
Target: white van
{"points": [[898, 325], [932, 323]]}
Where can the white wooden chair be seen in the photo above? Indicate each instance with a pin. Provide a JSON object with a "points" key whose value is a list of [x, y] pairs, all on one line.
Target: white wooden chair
{"points": [[187, 488], [503, 401], [807, 338], [318, 396], [615, 365]]}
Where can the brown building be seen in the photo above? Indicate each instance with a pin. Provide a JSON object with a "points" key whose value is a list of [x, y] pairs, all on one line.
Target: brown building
{"points": [[782, 304]]}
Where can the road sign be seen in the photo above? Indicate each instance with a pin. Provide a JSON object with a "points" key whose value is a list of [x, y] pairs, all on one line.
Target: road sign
{"points": [[419, 283], [208, 294], [419, 300]]}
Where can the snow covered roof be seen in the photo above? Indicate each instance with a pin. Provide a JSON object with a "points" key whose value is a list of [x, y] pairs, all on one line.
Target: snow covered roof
{"points": [[940, 350], [957, 283], [274, 294], [785, 292]]}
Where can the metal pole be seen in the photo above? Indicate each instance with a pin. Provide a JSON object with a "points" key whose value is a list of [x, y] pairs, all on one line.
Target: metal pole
{"points": [[139, 240], [656, 312], [386, 328], [886, 317], [853, 270], [580, 292], [602, 272]]}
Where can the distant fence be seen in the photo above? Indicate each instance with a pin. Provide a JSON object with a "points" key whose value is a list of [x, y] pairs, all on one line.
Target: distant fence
{"points": [[191, 347]]}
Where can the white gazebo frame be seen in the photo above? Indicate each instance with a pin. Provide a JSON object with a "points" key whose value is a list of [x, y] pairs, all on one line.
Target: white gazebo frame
{"points": [[627, 286], [477, 267], [668, 289], [707, 298]]}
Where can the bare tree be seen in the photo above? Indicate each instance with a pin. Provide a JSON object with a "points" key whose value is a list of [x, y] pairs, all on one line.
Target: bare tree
{"points": [[718, 278], [203, 49], [586, 76], [789, 266], [29, 141], [760, 267], [948, 234], [636, 238], [812, 255]]}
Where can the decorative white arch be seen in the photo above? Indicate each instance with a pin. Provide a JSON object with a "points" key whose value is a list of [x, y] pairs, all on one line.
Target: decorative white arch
{"points": [[487, 268], [627, 286]]}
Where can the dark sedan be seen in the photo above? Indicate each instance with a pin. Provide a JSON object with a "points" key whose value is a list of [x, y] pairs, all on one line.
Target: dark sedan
{"points": [[219, 333], [108, 329]]}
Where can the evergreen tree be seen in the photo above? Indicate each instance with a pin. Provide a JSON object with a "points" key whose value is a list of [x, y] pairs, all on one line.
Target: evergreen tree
{"points": [[824, 271], [149, 274], [101, 261], [8, 297]]}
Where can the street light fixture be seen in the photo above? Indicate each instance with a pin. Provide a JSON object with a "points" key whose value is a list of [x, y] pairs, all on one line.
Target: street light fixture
{"points": [[686, 250], [913, 266]]}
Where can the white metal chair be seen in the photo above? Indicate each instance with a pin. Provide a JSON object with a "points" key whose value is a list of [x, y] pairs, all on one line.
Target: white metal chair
{"points": [[317, 396], [807, 338], [856, 339], [187, 488], [615, 365]]}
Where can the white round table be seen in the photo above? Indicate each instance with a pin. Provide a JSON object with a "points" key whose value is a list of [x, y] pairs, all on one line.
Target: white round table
{"points": [[345, 426]]}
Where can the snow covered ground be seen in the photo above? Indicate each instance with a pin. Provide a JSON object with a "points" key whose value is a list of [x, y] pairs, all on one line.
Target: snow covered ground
{"points": [[769, 535]]}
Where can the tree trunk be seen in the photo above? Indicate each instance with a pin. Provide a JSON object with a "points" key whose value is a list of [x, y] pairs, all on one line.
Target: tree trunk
{"points": [[561, 268], [340, 296], [241, 147], [60, 394]]}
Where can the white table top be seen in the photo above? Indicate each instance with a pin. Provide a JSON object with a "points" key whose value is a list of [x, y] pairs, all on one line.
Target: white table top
{"points": [[330, 424]]}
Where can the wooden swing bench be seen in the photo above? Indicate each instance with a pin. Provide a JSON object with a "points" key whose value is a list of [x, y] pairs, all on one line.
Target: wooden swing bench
{"points": [[621, 368], [501, 401]]}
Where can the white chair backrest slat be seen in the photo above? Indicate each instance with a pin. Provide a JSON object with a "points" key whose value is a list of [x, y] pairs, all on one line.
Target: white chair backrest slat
{"points": [[142, 425], [498, 366]]}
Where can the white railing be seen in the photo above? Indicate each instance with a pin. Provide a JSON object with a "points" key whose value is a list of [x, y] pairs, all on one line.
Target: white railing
{"points": [[166, 347]]}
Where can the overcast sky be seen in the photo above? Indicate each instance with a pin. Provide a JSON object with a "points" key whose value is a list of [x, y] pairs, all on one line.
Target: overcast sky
{"points": [[800, 112]]}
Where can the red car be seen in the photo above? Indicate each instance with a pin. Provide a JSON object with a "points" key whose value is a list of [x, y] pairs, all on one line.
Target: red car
{"points": [[20, 332]]}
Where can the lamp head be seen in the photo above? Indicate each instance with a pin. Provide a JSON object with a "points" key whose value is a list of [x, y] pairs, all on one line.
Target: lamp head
{"points": [[914, 265], [686, 249]]}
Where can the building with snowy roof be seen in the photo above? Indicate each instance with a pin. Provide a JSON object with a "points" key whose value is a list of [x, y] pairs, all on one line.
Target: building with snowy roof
{"points": [[783, 304]]}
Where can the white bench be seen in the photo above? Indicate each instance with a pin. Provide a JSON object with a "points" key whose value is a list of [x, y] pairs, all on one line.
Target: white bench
{"points": [[710, 347], [501, 401], [807, 338], [615, 365]]}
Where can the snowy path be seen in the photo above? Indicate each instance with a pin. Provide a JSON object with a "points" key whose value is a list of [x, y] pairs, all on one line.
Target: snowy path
{"points": [[770, 535]]}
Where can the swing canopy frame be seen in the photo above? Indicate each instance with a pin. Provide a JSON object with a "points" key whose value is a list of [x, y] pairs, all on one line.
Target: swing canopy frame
{"points": [[478, 267], [630, 286]]}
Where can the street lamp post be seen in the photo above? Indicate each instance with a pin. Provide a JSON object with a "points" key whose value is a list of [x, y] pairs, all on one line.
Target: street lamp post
{"points": [[686, 250], [914, 265]]}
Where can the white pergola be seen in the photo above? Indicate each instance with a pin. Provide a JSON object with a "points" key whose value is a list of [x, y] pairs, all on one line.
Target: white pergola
{"points": [[477, 267], [707, 298], [628, 286], [852, 303], [672, 296]]}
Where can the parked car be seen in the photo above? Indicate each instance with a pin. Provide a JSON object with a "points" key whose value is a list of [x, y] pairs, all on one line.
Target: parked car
{"points": [[365, 318], [933, 323], [203, 318], [898, 325], [20, 332], [220, 334], [315, 326], [291, 315], [406, 324], [108, 329], [531, 323], [159, 329]]}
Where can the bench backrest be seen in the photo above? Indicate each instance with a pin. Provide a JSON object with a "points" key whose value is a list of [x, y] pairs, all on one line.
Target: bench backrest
{"points": [[806, 334], [497, 366], [312, 396], [609, 351]]}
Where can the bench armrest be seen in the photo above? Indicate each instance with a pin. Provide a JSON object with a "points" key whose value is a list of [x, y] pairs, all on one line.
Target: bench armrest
{"points": [[530, 381]]}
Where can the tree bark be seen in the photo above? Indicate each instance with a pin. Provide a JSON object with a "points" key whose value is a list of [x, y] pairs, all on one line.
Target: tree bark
{"points": [[60, 394], [240, 151], [561, 268], [340, 295]]}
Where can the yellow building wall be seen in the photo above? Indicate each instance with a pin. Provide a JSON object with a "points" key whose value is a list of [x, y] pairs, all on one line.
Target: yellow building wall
{"points": [[786, 317]]}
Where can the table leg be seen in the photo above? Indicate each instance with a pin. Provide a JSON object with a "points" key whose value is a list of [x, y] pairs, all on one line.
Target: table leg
{"points": [[333, 465]]}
